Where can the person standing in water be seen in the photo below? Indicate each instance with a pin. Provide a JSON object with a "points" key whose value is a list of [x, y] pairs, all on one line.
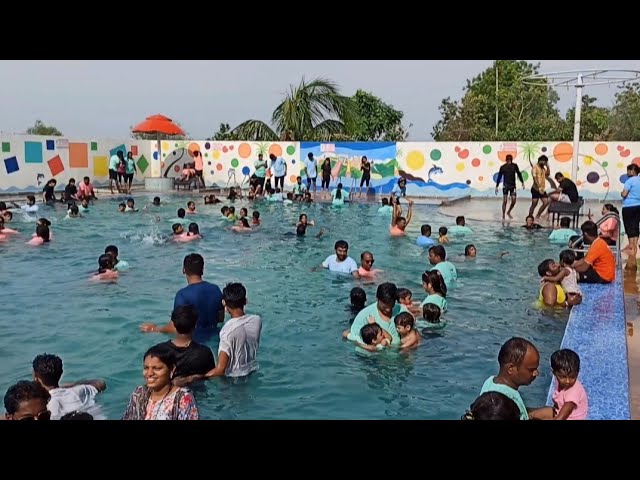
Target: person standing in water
{"points": [[508, 172], [398, 222]]}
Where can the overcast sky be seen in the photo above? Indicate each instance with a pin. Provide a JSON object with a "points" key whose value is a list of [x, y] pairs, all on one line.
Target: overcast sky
{"points": [[105, 98]]}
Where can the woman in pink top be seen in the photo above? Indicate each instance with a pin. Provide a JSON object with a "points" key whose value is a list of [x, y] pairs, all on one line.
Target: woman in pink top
{"points": [[570, 400], [609, 228], [199, 166]]}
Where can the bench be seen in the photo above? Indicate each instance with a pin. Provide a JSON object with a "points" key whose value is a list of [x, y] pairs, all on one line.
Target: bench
{"points": [[596, 331], [177, 183], [561, 209]]}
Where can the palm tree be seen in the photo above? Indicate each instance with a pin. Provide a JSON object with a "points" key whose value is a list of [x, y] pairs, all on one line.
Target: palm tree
{"points": [[313, 110]]}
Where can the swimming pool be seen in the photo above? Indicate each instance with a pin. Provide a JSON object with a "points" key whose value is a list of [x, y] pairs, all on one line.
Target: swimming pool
{"points": [[306, 370]]}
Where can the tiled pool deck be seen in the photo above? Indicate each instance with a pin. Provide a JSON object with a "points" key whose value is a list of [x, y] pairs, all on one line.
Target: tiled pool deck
{"points": [[597, 332]]}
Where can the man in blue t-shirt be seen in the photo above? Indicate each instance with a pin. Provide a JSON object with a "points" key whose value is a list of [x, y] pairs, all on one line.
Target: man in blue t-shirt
{"points": [[204, 296]]}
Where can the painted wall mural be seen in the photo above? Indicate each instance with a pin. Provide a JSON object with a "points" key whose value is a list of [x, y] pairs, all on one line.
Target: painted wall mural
{"points": [[28, 161], [446, 169]]}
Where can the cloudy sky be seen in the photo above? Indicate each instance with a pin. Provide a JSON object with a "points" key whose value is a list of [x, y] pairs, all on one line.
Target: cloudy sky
{"points": [[105, 98]]}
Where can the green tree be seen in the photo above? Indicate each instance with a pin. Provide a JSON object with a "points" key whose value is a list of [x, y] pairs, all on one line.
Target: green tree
{"points": [[313, 110], [376, 120], [624, 121], [40, 128], [525, 112], [224, 133], [594, 121]]}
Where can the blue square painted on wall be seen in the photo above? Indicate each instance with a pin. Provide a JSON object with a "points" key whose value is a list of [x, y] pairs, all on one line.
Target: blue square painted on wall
{"points": [[122, 147], [51, 145], [11, 165]]}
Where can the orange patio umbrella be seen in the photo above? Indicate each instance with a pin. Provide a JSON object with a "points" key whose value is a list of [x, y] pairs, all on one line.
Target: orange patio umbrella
{"points": [[158, 124]]}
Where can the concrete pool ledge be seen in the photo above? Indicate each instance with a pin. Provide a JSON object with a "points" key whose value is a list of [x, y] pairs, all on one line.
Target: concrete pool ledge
{"points": [[596, 331]]}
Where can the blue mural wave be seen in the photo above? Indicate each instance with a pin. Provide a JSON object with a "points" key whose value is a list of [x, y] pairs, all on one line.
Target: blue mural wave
{"points": [[387, 187]]}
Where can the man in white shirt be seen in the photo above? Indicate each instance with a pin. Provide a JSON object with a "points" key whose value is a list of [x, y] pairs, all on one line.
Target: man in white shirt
{"points": [[73, 397], [340, 262], [311, 165]]}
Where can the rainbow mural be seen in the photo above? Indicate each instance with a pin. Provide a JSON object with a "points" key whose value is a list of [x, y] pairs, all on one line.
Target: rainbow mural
{"points": [[432, 169]]}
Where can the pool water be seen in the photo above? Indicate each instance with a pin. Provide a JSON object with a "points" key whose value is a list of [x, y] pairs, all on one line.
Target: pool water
{"points": [[306, 370]]}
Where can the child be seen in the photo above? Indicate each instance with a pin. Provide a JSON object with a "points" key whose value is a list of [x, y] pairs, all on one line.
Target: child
{"points": [[570, 400], [431, 313], [178, 230], [289, 199], [84, 205], [567, 277], [232, 214], [405, 325], [225, 212], [117, 264], [191, 235], [73, 212], [156, 201], [131, 205], [358, 298], [105, 269], [30, 207], [434, 285], [307, 198], [303, 220], [256, 218], [191, 208], [404, 297], [442, 231], [374, 337], [122, 207]]}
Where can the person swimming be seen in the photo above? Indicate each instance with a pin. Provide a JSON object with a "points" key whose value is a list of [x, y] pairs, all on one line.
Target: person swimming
{"points": [[105, 269], [41, 237], [242, 227], [398, 222]]}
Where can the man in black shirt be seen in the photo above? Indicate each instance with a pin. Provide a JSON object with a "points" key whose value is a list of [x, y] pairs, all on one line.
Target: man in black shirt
{"points": [[48, 195], [567, 192], [508, 171], [192, 357]]}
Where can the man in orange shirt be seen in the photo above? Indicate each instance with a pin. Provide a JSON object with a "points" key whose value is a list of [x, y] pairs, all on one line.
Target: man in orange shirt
{"points": [[599, 265]]}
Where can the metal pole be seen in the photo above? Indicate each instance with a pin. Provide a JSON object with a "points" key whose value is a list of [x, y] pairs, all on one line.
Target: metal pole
{"points": [[496, 99], [576, 129]]}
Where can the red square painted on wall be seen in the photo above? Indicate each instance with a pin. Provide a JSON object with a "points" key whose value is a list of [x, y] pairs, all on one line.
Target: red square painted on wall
{"points": [[134, 150], [55, 165]]}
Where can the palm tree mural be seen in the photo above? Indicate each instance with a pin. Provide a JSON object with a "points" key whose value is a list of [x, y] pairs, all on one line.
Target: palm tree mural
{"points": [[531, 150], [313, 111], [262, 148]]}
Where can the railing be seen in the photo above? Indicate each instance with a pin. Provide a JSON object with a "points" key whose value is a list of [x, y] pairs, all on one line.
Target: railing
{"points": [[614, 248]]}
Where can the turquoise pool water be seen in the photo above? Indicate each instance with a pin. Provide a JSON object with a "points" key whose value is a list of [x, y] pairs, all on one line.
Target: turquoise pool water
{"points": [[306, 370]]}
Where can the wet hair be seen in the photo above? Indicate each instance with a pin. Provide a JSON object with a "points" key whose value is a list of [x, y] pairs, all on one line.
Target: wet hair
{"points": [[105, 261], [438, 251], [44, 221], [185, 318], [443, 231], [193, 228], [193, 264], [256, 214], [589, 228], [565, 222], [245, 222], [23, 391], [529, 217], [77, 416], [509, 157], [567, 257], [156, 200], [358, 297], [130, 199], [189, 203], [176, 226], [369, 332], [610, 207], [301, 230], [181, 213], [162, 352], [543, 268], [302, 215], [514, 350], [404, 292], [224, 210], [339, 191], [492, 406], [48, 368], [425, 229], [404, 319], [467, 249], [234, 295], [8, 212], [31, 198], [431, 312], [434, 277], [232, 209], [341, 244], [385, 201], [460, 220], [122, 205], [74, 209], [387, 293], [111, 249], [565, 361], [43, 232], [246, 212]]}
